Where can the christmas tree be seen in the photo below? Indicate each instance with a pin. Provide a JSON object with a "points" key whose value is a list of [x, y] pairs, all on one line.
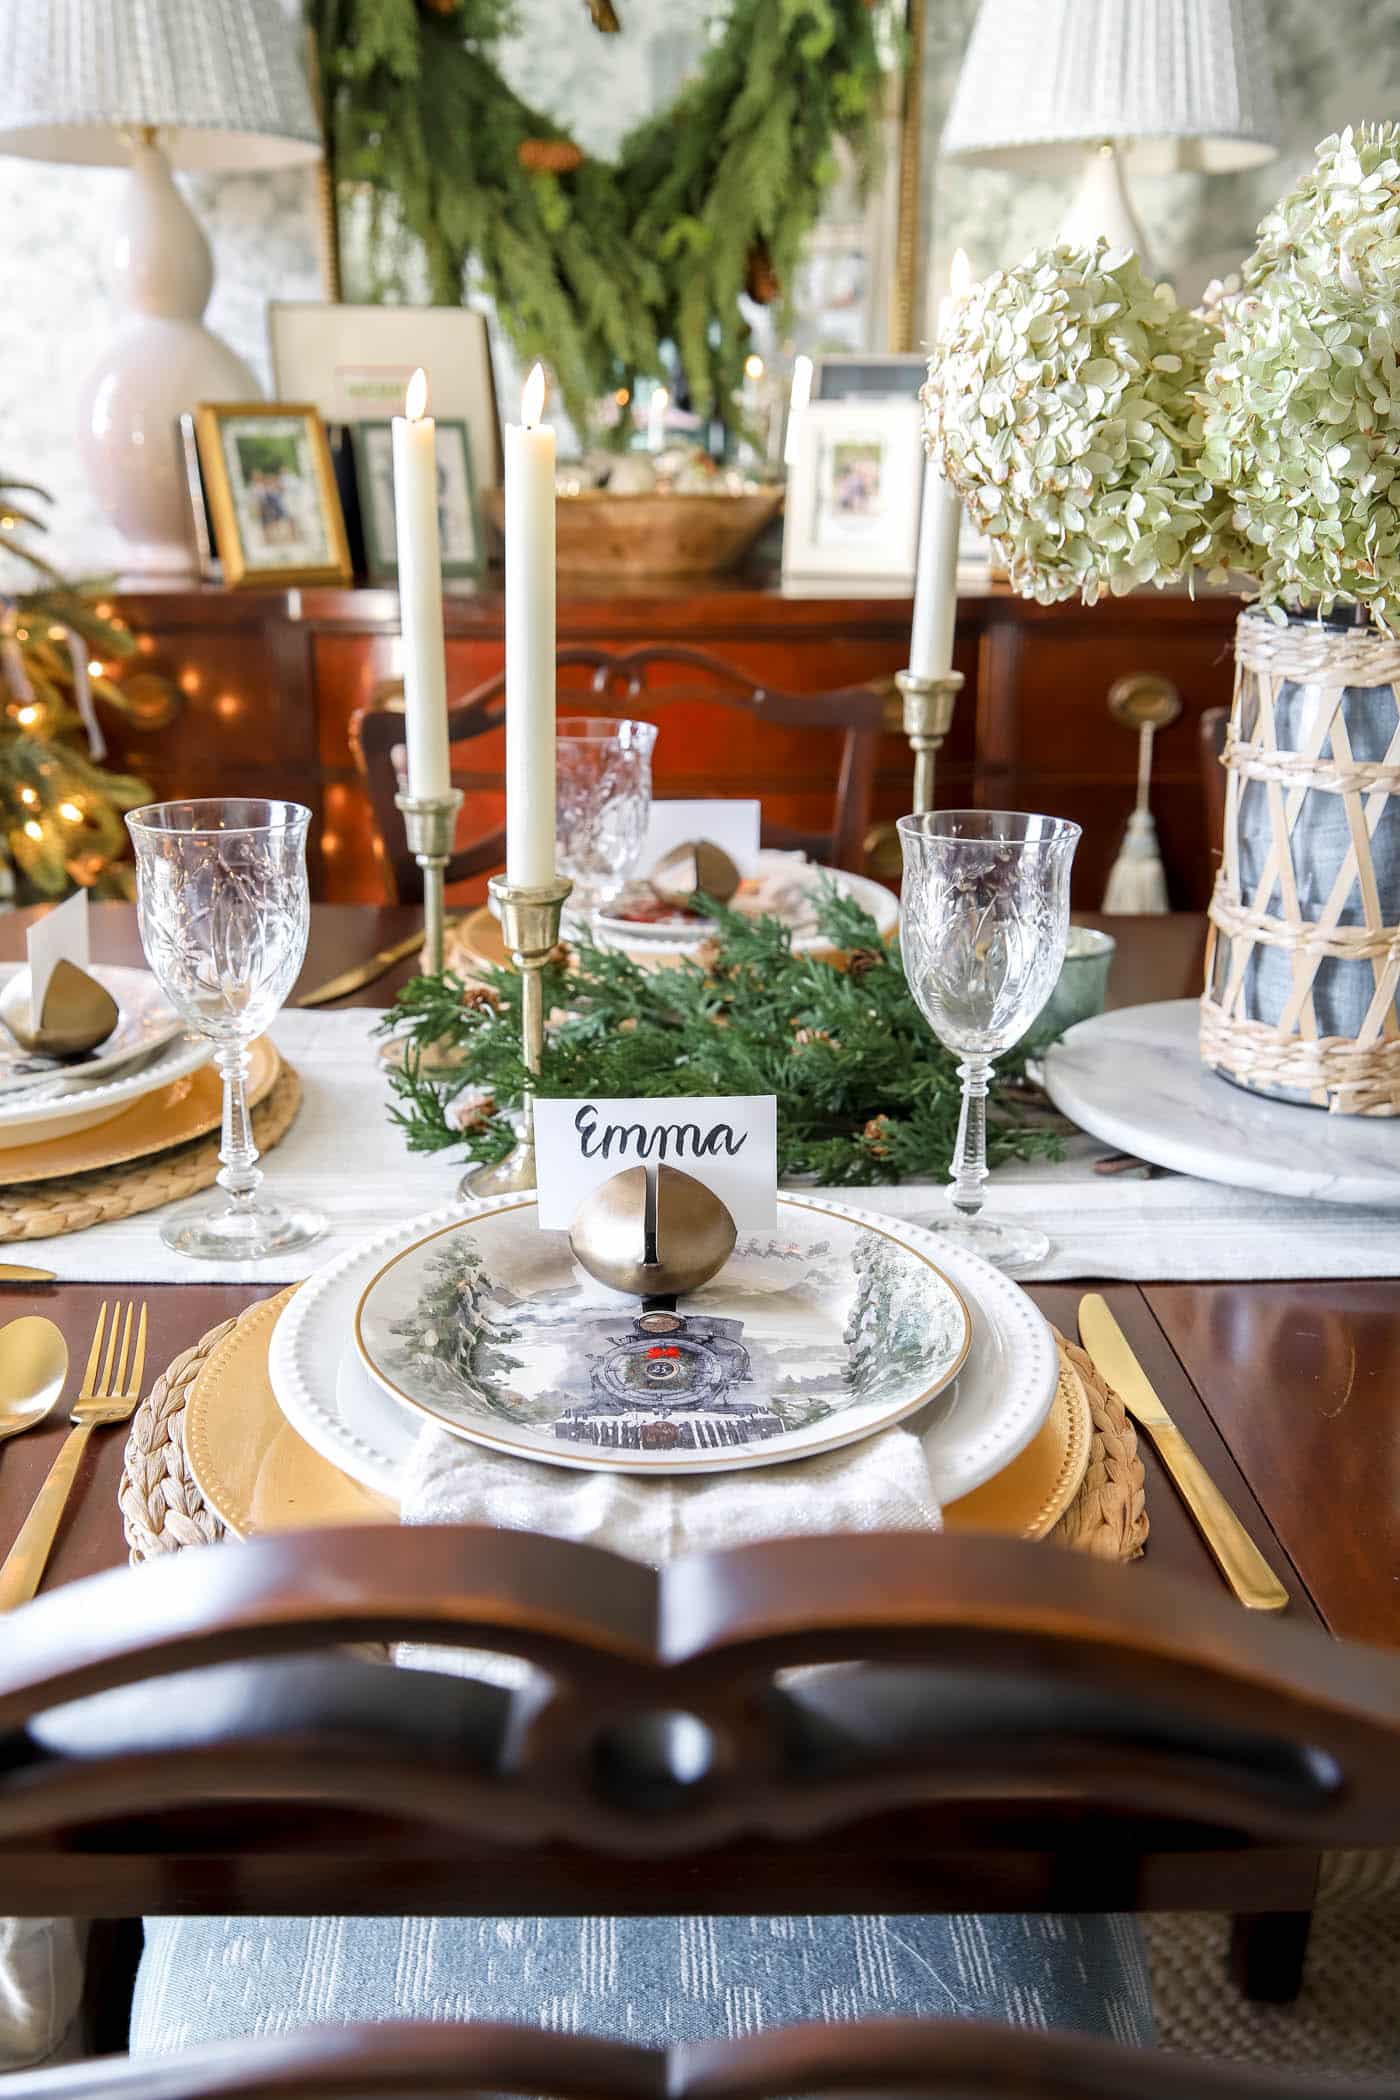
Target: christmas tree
{"points": [[60, 812], [454, 1339]]}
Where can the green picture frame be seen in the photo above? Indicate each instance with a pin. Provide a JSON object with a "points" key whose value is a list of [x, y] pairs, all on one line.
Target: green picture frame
{"points": [[459, 512]]}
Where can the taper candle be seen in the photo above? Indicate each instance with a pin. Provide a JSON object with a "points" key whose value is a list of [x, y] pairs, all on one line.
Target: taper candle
{"points": [[420, 593], [529, 522], [936, 577]]}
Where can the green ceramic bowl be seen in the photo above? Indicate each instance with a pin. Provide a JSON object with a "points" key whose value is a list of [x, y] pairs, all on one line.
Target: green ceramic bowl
{"points": [[1082, 989]]}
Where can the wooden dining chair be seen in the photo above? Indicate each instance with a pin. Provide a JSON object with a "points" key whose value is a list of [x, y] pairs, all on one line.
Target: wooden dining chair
{"points": [[614, 682], [1014, 1728]]}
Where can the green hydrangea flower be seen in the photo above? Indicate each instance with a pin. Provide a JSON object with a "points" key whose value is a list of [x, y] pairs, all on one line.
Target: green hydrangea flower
{"points": [[1063, 403], [1302, 400]]}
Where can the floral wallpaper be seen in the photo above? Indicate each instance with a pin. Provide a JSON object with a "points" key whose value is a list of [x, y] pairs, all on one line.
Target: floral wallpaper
{"points": [[1335, 65]]}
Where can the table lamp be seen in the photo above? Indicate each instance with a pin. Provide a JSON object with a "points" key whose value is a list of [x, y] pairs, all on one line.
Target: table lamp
{"points": [[151, 84], [1053, 86]]}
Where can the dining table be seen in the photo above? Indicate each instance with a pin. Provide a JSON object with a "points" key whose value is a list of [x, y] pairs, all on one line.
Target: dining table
{"points": [[1289, 1392]]}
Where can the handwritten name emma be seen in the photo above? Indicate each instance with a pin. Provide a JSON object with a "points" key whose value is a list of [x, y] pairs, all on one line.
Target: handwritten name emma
{"points": [[660, 1141]]}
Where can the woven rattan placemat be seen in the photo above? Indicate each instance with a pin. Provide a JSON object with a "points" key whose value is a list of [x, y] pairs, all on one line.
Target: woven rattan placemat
{"points": [[163, 1509], [40, 1210]]}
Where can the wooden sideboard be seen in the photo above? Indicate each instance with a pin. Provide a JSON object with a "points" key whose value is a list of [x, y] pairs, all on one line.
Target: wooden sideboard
{"points": [[261, 686]]}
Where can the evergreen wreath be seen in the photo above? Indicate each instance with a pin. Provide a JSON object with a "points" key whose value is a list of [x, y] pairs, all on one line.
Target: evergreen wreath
{"points": [[865, 1093], [591, 267]]}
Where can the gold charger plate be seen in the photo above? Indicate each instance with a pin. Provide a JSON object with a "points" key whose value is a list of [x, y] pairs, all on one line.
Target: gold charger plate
{"points": [[257, 1474], [170, 1115]]}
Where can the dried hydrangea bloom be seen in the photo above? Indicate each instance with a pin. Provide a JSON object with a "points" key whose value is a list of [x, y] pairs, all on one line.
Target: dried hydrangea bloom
{"points": [[1062, 404], [1302, 400], [1341, 224]]}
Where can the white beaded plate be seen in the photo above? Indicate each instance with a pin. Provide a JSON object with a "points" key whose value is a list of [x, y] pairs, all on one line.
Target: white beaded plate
{"points": [[974, 1427]]}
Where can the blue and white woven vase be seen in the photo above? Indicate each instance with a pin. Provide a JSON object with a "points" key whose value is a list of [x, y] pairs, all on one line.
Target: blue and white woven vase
{"points": [[1303, 957]]}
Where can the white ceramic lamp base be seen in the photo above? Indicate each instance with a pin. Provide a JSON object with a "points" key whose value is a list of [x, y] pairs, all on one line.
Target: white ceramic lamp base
{"points": [[1102, 206], [160, 362]]}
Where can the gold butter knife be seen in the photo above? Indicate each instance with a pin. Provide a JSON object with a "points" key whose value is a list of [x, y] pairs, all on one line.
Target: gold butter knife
{"points": [[360, 974], [16, 1272], [1241, 1563]]}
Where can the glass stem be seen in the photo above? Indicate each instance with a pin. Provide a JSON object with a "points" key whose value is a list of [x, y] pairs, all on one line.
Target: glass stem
{"points": [[240, 1173], [970, 1152]]}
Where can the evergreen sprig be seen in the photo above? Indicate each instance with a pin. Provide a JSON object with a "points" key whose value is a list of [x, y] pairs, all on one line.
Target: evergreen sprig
{"points": [[865, 1093]]}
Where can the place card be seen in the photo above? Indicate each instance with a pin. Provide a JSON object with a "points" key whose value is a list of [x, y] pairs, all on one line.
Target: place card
{"points": [[62, 935], [733, 825], [728, 1141]]}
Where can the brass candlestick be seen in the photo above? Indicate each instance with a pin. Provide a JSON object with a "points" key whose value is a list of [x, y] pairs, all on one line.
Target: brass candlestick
{"points": [[430, 822], [530, 925], [928, 716]]}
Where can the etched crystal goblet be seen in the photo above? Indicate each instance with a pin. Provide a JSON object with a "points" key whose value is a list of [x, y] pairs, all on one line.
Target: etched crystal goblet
{"points": [[983, 919], [603, 805], [224, 908]]}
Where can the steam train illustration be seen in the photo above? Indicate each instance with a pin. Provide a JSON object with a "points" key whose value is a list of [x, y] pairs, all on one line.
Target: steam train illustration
{"points": [[669, 1384]]}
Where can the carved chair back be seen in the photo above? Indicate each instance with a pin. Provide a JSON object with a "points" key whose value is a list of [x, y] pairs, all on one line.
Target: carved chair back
{"points": [[1012, 1726], [611, 682]]}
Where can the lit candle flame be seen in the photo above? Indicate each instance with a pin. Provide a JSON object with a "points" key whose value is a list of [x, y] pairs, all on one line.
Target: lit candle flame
{"points": [[415, 400], [532, 397]]}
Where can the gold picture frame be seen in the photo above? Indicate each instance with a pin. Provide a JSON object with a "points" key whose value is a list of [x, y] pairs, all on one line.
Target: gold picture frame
{"points": [[272, 493]]}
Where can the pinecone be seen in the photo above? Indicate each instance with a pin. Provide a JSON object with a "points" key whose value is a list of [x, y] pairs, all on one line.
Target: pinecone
{"points": [[479, 996], [561, 955], [549, 156], [761, 279], [473, 1114], [708, 953], [863, 960], [876, 1137], [806, 1036]]}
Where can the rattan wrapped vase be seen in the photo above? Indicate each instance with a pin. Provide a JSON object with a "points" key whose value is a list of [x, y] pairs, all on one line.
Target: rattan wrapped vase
{"points": [[1303, 956]]}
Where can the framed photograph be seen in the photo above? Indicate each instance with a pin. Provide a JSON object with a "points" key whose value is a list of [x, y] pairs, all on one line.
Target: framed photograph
{"points": [[868, 376], [459, 522], [354, 362], [854, 491], [271, 491]]}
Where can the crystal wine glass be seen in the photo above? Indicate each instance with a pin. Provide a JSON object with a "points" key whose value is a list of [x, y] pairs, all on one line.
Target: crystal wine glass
{"points": [[983, 919], [224, 908], [603, 805]]}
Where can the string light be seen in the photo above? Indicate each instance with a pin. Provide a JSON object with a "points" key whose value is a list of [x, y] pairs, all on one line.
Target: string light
{"points": [[71, 811], [28, 797], [94, 668], [27, 716], [33, 830]]}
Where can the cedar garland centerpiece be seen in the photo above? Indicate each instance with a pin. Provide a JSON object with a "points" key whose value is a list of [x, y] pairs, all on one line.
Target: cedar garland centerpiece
{"points": [[592, 266], [865, 1093]]}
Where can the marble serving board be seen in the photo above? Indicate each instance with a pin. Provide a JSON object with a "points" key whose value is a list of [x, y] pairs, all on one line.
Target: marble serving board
{"points": [[1134, 1079]]}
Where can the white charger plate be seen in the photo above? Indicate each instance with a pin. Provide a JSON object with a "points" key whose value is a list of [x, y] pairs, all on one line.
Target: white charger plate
{"points": [[977, 1424], [682, 936], [80, 1102], [1134, 1079]]}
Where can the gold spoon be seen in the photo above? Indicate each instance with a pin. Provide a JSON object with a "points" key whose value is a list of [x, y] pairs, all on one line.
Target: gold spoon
{"points": [[33, 1368]]}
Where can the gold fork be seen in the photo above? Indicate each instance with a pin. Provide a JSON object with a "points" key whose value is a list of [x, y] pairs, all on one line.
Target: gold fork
{"points": [[103, 1399]]}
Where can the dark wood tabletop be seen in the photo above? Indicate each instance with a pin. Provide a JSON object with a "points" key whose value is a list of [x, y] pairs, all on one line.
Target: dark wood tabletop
{"points": [[1290, 1393]]}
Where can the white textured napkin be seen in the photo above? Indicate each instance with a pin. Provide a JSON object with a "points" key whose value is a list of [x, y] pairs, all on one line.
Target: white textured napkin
{"points": [[880, 1484]]}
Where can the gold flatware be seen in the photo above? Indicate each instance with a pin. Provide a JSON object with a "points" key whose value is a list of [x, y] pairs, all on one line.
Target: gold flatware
{"points": [[106, 1396], [33, 1366], [1240, 1561], [18, 1272], [360, 974]]}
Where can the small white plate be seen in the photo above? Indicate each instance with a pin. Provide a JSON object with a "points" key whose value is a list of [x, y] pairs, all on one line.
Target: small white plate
{"points": [[977, 1425], [1134, 1079], [783, 884], [74, 1100]]}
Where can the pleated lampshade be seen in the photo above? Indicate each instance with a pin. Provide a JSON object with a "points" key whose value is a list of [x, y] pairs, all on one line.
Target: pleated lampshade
{"points": [[222, 82], [1171, 83]]}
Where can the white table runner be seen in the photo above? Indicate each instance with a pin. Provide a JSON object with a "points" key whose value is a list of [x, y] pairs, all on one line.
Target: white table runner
{"points": [[345, 1156]]}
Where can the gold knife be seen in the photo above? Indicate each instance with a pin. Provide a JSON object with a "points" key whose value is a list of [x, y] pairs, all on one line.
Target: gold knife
{"points": [[1241, 1563], [360, 974], [16, 1272]]}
